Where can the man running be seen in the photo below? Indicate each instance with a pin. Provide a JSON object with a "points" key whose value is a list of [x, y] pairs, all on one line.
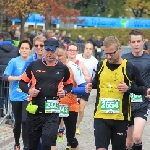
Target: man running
{"points": [[113, 82], [50, 80], [72, 53], [140, 109], [70, 100]]}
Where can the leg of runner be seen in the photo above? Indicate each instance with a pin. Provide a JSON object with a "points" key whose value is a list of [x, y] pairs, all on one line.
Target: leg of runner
{"points": [[70, 123], [81, 114], [60, 130], [61, 126], [129, 139], [139, 124], [53, 147], [24, 125]]}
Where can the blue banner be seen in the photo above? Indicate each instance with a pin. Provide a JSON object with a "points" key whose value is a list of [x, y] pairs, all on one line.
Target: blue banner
{"points": [[102, 22]]}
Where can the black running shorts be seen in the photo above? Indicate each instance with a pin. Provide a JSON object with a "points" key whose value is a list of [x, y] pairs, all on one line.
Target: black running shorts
{"points": [[42, 125], [143, 113], [106, 130]]}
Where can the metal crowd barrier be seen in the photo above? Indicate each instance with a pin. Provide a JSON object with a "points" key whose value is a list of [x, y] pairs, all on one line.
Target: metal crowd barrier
{"points": [[4, 96]]}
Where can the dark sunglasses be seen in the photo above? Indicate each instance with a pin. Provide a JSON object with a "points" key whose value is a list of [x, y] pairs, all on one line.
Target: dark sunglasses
{"points": [[41, 46]]}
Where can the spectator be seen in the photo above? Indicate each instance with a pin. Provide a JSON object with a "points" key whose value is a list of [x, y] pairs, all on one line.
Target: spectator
{"points": [[63, 35], [92, 39], [7, 51], [146, 45], [98, 44], [32, 36], [79, 39], [67, 39], [49, 34]]}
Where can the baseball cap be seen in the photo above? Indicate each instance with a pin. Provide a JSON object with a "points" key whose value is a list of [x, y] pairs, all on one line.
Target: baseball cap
{"points": [[51, 44]]}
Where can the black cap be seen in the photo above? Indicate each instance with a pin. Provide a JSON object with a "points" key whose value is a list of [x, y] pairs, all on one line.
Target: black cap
{"points": [[51, 44]]}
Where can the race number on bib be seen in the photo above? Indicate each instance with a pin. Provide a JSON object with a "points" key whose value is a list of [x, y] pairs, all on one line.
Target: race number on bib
{"points": [[110, 105], [52, 106], [99, 49], [136, 98], [64, 110]]}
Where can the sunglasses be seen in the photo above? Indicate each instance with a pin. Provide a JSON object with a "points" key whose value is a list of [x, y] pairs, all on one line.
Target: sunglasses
{"points": [[41, 46]]}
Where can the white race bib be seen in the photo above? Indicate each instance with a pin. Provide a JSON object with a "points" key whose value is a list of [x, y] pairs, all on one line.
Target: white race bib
{"points": [[110, 105]]}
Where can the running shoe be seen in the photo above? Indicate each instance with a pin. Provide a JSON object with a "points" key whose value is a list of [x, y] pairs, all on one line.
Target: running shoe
{"points": [[78, 131], [16, 147], [68, 147], [60, 135]]}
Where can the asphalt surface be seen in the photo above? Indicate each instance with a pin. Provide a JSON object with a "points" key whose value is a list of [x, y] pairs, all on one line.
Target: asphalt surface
{"points": [[86, 139]]}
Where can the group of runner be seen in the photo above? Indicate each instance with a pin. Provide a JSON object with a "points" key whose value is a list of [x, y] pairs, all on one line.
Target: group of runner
{"points": [[57, 81]]}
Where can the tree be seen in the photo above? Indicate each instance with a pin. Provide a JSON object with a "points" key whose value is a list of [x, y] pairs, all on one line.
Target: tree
{"points": [[49, 8], [138, 7], [1, 13]]}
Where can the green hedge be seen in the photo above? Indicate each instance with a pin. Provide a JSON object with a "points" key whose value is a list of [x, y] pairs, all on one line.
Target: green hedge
{"points": [[121, 34]]}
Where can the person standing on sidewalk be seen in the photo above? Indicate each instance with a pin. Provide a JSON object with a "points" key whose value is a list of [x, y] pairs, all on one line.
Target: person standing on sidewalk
{"points": [[140, 108], [7, 52], [18, 98], [115, 79]]}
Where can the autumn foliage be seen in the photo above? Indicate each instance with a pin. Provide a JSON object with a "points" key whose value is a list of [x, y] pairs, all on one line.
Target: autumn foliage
{"points": [[49, 8], [138, 7]]}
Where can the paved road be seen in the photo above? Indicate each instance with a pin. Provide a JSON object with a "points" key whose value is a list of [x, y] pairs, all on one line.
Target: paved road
{"points": [[86, 139]]}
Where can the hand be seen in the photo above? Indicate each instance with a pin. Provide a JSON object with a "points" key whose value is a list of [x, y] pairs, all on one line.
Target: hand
{"points": [[148, 93], [122, 87], [33, 92], [88, 88], [61, 93]]}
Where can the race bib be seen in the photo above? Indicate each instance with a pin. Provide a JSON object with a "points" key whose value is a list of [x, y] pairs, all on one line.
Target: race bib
{"points": [[99, 50], [64, 110], [110, 105], [136, 98], [52, 106]]}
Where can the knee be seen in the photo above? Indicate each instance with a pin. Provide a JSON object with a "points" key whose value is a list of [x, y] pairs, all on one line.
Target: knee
{"points": [[48, 142], [129, 144], [137, 138], [81, 110], [73, 142]]}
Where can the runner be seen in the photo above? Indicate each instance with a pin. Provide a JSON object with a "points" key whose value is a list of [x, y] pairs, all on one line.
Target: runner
{"points": [[113, 81], [18, 98], [38, 46], [47, 77], [140, 109], [72, 53], [91, 65], [71, 99], [87, 58]]}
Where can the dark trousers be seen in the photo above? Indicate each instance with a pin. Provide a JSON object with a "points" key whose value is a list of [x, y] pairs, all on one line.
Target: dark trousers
{"points": [[20, 115]]}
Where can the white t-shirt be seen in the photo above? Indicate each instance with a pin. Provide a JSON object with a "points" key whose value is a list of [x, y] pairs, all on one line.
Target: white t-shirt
{"points": [[78, 75], [91, 64]]}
